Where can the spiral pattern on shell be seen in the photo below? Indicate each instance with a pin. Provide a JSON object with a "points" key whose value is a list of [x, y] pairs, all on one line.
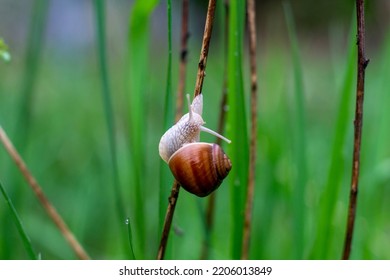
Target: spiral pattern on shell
{"points": [[200, 167]]}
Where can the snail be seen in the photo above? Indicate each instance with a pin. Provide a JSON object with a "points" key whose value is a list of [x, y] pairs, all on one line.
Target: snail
{"points": [[199, 167]]}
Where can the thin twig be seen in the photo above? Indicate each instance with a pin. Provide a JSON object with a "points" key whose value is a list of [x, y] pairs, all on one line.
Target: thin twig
{"points": [[251, 13], [205, 47], [168, 219], [198, 88], [51, 211], [362, 64]]}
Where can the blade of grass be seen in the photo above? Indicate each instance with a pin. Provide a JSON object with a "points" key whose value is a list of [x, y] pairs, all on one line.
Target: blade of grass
{"points": [[165, 175], [376, 208], [237, 125], [102, 56], [130, 235], [322, 246], [137, 76], [168, 112], [5, 55], [22, 232], [380, 148], [299, 127], [31, 69]]}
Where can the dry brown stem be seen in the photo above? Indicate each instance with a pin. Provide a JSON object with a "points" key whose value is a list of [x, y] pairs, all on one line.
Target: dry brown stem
{"points": [[49, 208], [358, 123], [205, 47], [251, 15], [168, 219], [198, 88]]}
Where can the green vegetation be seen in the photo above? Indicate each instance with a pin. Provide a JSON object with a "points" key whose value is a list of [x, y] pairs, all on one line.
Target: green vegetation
{"points": [[94, 156], [19, 225], [4, 53]]}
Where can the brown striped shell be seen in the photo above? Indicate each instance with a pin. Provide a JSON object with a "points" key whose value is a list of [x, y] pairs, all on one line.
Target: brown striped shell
{"points": [[200, 167]]}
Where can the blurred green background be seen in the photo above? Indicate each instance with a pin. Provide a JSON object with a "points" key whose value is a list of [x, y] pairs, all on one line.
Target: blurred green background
{"points": [[52, 107]]}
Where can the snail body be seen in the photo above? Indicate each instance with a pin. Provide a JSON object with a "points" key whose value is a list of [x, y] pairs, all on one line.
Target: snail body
{"points": [[186, 130], [198, 167]]}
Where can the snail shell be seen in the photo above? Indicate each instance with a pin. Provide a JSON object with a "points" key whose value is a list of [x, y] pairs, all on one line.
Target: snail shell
{"points": [[200, 167]]}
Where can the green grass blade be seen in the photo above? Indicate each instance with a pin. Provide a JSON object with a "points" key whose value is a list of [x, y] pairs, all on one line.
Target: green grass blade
{"points": [[166, 178], [381, 141], [323, 244], [299, 128], [31, 69], [237, 129], [137, 86], [23, 119], [130, 235], [26, 240], [100, 29]]}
